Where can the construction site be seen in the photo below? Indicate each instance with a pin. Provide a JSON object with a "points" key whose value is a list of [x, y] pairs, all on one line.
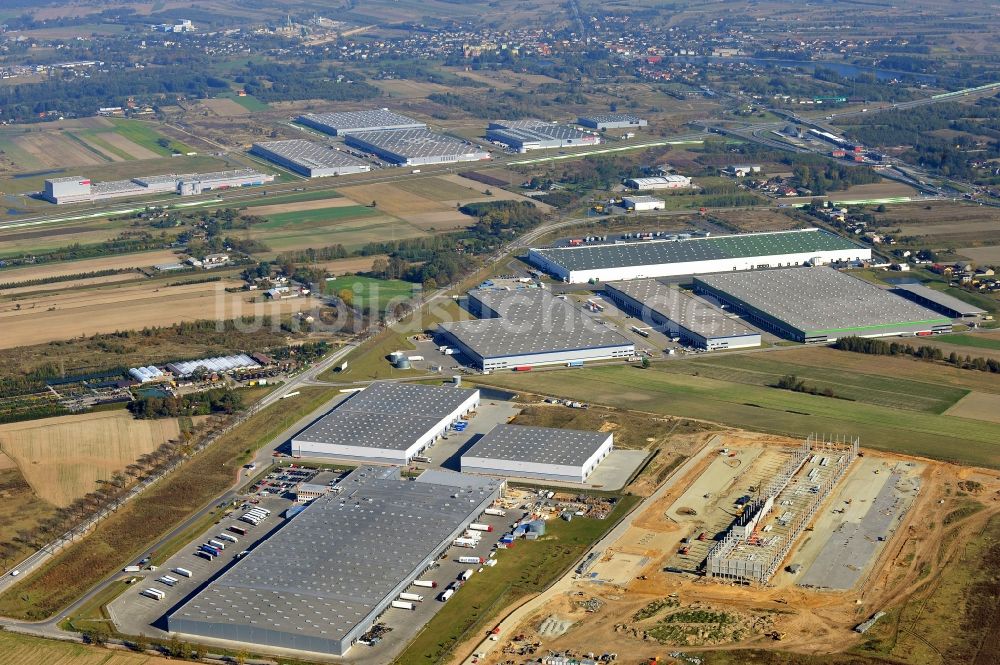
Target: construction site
{"points": [[755, 539]]}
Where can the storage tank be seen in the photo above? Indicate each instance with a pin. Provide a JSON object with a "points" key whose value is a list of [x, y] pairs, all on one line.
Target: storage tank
{"points": [[403, 363], [457, 380], [395, 356]]}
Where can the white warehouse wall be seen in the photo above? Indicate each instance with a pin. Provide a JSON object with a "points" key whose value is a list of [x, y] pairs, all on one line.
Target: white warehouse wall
{"points": [[695, 267]]}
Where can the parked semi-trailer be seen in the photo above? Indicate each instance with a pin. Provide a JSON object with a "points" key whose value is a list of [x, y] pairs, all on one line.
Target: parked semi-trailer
{"points": [[523, 368], [465, 542], [218, 544], [131, 569], [205, 555], [415, 597], [499, 512], [402, 605], [471, 559], [238, 529], [166, 579], [183, 572], [466, 574], [228, 538], [481, 527], [211, 550], [446, 594], [155, 594], [427, 584]]}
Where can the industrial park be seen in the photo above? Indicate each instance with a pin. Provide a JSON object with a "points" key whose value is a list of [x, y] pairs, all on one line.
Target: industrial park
{"points": [[459, 333]]}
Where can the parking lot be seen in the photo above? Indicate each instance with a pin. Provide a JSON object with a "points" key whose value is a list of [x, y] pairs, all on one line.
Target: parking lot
{"points": [[134, 613]]}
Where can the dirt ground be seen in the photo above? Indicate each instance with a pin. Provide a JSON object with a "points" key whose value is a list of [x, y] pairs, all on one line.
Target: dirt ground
{"points": [[747, 221], [74, 284], [300, 206], [51, 150], [129, 307], [989, 255], [43, 271], [810, 621], [63, 458], [224, 107], [979, 406], [128, 146], [878, 190]]}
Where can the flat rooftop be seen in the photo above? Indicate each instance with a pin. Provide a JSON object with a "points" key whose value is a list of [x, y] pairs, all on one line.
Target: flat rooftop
{"points": [[407, 399], [610, 117], [941, 299], [656, 252], [538, 445], [683, 309], [345, 122], [323, 572], [820, 300], [311, 155], [386, 415], [531, 321], [417, 143], [537, 130]]}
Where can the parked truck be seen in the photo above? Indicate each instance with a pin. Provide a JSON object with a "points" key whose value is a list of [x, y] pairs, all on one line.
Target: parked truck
{"points": [[497, 512], [402, 605], [155, 594], [471, 559], [228, 538], [466, 574], [481, 527], [415, 597], [131, 569], [166, 579], [445, 595], [217, 544], [183, 572], [464, 542], [427, 584]]}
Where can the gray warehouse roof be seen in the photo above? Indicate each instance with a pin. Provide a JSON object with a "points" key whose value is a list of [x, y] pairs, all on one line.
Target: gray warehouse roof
{"points": [[655, 252], [671, 303], [310, 155], [346, 122], [341, 558], [819, 299], [940, 299], [415, 144], [537, 130], [530, 321], [386, 415], [538, 445], [405, 399], [367, 430]]}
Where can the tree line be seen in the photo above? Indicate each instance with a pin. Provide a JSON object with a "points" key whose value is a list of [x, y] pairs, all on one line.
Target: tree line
{"points": [[878, 347]]}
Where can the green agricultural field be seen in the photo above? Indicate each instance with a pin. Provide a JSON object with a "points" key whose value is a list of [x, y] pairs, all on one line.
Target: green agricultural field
{"points": [[145, 134], [321, 216], [991, 342], [250, 103], [767, 369], [297, 197], [767, 409], [368, 292]]}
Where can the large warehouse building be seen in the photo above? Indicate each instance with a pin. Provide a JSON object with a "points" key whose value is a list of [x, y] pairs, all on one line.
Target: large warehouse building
{"points": [[313, 160], [325, 578], [414, 147], [692, 256], [543, 453], [525, 135], [819, 304], [386, 423], [352, 122], [671, 181], [938, 301], [610, 121], [668, 308], [78, 189], [530, 327]]}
